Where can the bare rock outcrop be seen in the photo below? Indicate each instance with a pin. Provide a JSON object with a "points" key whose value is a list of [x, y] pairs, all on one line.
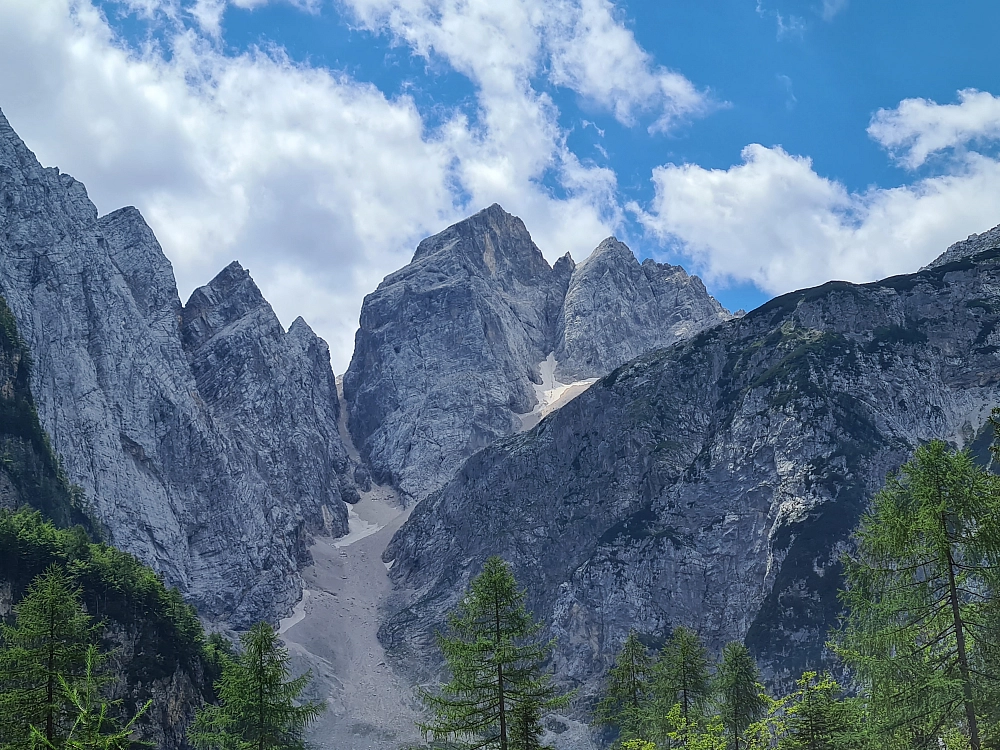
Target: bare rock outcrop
{"points": [[450, 348]]}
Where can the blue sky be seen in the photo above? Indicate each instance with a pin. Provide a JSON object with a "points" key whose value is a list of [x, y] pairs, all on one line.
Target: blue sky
{"points": [[765, 145]]}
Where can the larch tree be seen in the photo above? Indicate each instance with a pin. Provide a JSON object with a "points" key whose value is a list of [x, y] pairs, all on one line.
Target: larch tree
{"points": [[43, 655], [680, 676], [921, 590], [260, 707], [627, 691], [496, 663], [739, 692]]}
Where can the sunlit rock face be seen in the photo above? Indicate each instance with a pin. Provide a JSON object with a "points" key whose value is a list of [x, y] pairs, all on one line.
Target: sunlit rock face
{"points": [[205, 437], [451, 350], [713, 484]]}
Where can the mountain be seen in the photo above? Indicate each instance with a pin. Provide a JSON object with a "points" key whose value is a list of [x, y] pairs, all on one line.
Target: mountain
{"points": [[455, 350], [159, 649], [713, 484], [203, 436]]}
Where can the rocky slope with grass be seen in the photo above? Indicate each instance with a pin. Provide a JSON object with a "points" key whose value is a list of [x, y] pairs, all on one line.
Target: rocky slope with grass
{"points": [[713, 484]]}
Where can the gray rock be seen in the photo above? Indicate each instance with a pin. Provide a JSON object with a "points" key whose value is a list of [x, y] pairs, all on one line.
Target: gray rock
{"points": [[616, 309], [205, 437], [969, 247], [715, 483], [449, 349]]}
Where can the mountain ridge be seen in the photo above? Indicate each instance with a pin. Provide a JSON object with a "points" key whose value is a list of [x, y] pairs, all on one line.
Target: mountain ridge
{"points": [[713, 483]]}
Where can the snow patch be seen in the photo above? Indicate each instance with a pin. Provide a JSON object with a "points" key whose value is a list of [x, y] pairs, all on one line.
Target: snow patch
{"points": [[357, 528], [552, 394], [297, 616]]}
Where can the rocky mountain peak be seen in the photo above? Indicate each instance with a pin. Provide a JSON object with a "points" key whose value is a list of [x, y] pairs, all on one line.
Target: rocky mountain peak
{"points": [[229, 298], [491, 243], [967, 248], [451, 348], [612, 249], [205, 437]]}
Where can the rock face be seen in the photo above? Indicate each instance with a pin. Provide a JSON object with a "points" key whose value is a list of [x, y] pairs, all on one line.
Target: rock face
{"points": [[616, 309], [450, 348], [713, 484], [205, 437]]}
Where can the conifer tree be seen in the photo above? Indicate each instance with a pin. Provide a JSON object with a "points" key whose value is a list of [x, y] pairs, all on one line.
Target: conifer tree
{"points": [[44, 654], [526, 727], [817, 719], [740, 694], [680, 676], [95, 725], [627, 694], [259, 707], [496, 663], [919, 589]]}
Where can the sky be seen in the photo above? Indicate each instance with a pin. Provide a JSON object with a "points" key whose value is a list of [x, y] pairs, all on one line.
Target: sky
{"points": [[765, 145]]}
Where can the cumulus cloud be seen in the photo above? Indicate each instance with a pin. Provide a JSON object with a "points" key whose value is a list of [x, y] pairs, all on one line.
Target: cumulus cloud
{"points": [[919, 128], [578, 44], [318, 183], [774, 221]]}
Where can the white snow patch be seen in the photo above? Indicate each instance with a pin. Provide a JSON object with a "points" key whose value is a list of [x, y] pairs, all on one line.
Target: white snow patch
{"points": [[552, 394], [297, 616], [357, 529]]}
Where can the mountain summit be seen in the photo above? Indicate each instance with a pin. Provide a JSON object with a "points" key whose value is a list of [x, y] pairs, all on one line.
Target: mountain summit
{"points": [[451, 349]]}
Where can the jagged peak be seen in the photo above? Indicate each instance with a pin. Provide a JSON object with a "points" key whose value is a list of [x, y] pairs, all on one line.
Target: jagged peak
{"points": [[493, 240], [614, 248], [231, 296], [972, 245]]}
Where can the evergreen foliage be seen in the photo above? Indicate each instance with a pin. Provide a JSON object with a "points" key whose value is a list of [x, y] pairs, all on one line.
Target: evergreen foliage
{"points": [[921, 596], [627, 692], [44, 657], [114, 587], [259, 706], [95, 725], [498, 691], [816, 718], [740, 695], [680, 676]]}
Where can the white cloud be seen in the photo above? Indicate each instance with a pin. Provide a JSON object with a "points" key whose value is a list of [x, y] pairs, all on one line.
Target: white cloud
{"points": [[919, 128], [319, 184], [578, 44], [773, 221], [831, 8], [792, 26]]}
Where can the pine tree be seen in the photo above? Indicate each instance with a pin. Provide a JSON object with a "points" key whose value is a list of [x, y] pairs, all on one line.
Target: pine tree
{"points": [[919, 587], [627, 694], [45, 650], [259, 707], [740, 694], [680, 676], [496, 664]]}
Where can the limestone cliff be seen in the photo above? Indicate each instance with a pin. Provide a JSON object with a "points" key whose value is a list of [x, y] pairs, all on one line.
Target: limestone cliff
{"points": [[449, 352], [204, 436]]}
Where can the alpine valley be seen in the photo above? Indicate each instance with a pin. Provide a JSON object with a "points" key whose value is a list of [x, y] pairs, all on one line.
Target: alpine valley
{"points": [[642, 457]]}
